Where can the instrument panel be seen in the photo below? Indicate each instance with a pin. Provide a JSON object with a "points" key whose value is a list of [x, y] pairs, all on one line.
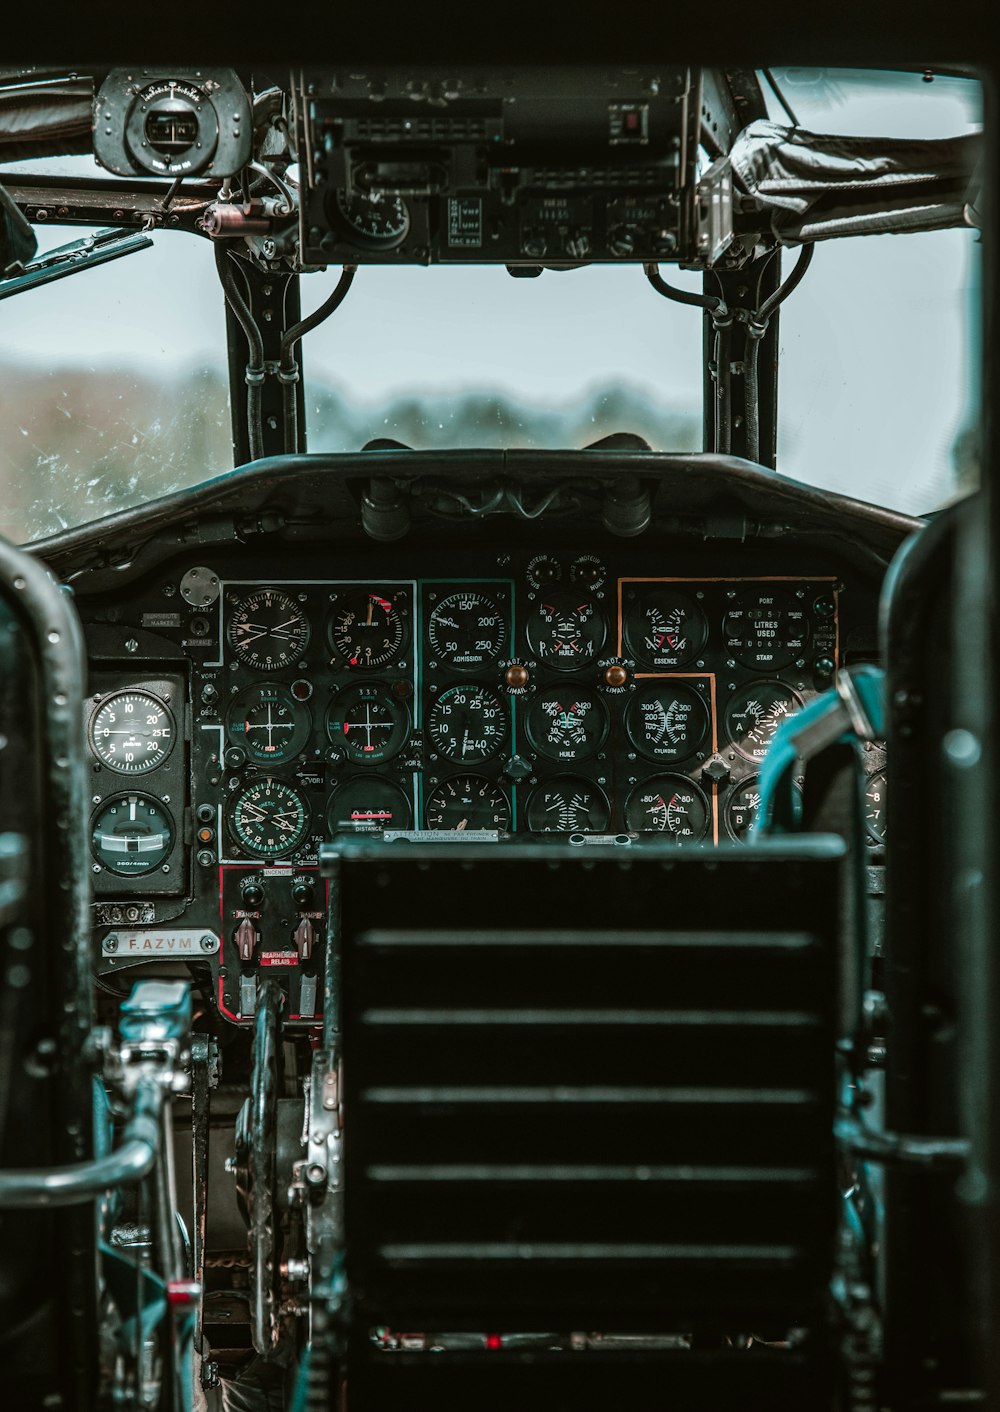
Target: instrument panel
{"points": [[237, 721]]}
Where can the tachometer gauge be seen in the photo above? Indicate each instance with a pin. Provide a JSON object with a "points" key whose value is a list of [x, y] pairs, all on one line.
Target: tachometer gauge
{"points": [[755, 713], [269, 818], [466, 630], [132, 732], [566, 631], [566, 804], [467, 802], [366, 628], [667, 722], [567, 722], [671, 805], [664, 629], [375, 219], [766, 629], [268, 630], [369, 722], [875, 806], [367, 804], [132, 834], [468, 723], [268, 722]]}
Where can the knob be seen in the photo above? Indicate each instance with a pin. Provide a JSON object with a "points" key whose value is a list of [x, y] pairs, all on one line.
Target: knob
{"points": [[578, 245], [305, 939], [615, 675], [303, 896], [246, 939], [516, 676], [253, 894], [622, 242]]}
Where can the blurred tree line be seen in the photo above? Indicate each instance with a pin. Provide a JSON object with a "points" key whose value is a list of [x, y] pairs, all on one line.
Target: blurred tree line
{"points": [[79, 444]]}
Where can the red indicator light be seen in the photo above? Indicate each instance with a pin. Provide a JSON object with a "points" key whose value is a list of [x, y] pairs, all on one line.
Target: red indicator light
{"points": [[493, 1342]]}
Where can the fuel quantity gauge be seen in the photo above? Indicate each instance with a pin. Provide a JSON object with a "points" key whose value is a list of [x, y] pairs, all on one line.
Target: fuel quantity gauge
{"points": [[567, 804], [755, 713]]}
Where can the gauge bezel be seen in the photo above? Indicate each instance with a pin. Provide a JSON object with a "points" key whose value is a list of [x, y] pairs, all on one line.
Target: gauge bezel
{"points": [[109, 802], [301, 730], [746, 690], [492, 785], [342, 599], [121, 693], [243, 653], [751, 659], [232, 808], [575, 780], [679, 779], [634, 707], [498, 744], [368, 780], [535, 737], [534, 624], [369, 690], [632, 635], [879, 838], [484, 662]]}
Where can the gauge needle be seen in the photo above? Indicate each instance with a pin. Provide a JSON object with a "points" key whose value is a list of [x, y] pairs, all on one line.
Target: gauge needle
{"points": [[371, 609], [462, 825]]}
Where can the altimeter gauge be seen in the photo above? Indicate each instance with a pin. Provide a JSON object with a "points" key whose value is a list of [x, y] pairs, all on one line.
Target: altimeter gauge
{"points": [[366, 629]]}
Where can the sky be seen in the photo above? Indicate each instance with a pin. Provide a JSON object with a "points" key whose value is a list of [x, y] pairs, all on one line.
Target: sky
{"points": [[878, 344]]}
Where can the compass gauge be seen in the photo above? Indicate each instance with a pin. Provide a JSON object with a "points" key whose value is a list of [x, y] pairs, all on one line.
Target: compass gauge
{"points": [[268, 630], [269, 818]]}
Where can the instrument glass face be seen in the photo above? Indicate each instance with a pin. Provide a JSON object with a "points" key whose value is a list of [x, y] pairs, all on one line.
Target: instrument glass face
{"points": [[468, 723], [670, 805], [268, 630], [269, 818], [755, 713], [132, 834], [366, 629], [566, 630], [467, 630], [467, 802], [132, 732], [568, 804], [663, 628], [267, 721]]}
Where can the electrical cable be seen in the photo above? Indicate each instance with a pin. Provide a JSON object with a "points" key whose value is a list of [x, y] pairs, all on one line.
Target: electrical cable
{"points": [[288, 368], [715, 306], [255, 371], [756, 329]]}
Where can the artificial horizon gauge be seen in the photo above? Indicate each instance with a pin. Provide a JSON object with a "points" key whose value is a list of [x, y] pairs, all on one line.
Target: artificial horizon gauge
{"points": [[366, 628], [663, 629], [132, 732], [468, 723], [466, 630], [374, 219], [568, 804], [368, 722], [367, 804], [875, 806], [565, 631], [467, 802], [670, 805], [667, 722], [267, 721], [268, 630], [755, 713], [567, 722], [269, 818], [132, 834], [766, 629]]}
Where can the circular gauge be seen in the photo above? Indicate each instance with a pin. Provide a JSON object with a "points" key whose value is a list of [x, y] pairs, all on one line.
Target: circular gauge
{"points": [[367, 804], [366, 628], [588, 570], [755, 713], [466, 630], [468, 723], [565, 631], [875, 806], [369, 722], [667, 722], [374, 218], [268, 630], [671, 805], [566, 804], [766, 629], [567, 722], [467, 802], [268, 722], [269, 818], [741, 808], [664, 629], [132, 834], [132, 732]]}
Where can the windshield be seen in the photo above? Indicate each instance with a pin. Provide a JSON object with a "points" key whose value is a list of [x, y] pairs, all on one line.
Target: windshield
{"points": [[113, 383]]}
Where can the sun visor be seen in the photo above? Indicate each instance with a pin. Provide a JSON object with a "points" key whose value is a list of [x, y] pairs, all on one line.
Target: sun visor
{"points": [[815, 186], [47, 119]]}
